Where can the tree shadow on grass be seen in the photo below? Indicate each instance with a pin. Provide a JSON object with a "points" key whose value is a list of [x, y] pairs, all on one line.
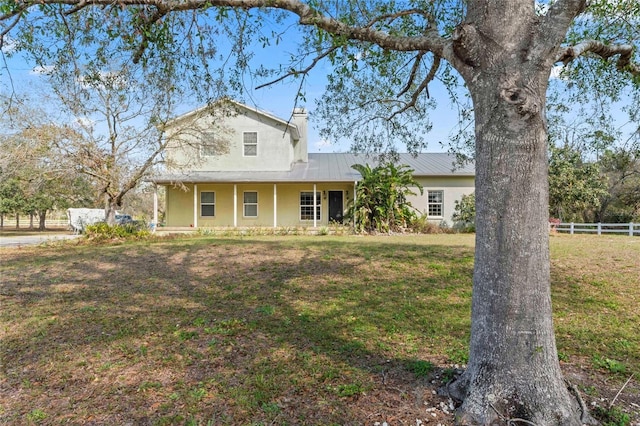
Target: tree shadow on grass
{"points": [[259, 330]]}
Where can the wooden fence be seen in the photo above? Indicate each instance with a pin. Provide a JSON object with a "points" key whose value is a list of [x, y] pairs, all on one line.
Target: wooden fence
{"points": [[629, 229]]}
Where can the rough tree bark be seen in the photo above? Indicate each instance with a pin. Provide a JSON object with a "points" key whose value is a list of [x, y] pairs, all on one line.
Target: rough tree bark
{"points": [[513, 370]]}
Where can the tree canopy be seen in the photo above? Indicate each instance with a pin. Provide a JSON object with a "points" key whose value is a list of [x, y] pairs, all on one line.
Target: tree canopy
{"points": [[494, 59]]}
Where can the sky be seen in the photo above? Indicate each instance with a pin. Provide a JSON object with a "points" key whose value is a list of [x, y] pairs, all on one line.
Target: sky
{"points": [[23, 77]]}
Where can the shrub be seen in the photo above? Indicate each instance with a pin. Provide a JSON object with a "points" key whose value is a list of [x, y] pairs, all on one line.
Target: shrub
{"points": [[104, 232], [464, 214]]}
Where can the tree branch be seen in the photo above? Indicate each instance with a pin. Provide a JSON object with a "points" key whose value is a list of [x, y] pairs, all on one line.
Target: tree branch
{"points": [[605, 51], [430, 41], [422, 87], [304, 71]]}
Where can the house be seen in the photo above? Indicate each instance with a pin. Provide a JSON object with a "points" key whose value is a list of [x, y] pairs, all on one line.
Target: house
{"points": [[249, 168]]}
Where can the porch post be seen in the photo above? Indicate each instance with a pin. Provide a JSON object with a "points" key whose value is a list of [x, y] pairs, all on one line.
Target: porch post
{"points": [[355, 211], [195, 205], [275, 205], [315, 206], [155, 207], [235, 205]]}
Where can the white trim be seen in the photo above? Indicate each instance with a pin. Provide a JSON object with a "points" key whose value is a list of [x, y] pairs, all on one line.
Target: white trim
{"points": [[275, 205], [315, 206], [195, 205], [244, 204], [235, 205], [207, 204], [155, 207], [441, 203], [245, 145]]}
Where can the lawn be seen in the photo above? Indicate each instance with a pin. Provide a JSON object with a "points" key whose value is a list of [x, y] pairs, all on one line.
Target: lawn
{"points": [[316, 330]]}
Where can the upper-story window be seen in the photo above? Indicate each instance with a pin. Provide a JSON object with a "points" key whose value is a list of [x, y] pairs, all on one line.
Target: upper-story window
{"points": [[250, 144]]}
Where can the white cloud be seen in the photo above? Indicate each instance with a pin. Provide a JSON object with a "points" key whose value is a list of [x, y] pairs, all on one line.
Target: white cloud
{"points": [[84, 122], [42, 70], [556, 72], [8, 45], [323, 143]]}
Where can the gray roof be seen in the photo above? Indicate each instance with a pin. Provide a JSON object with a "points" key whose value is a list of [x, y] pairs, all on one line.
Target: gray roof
{"points": [[321, 167]]}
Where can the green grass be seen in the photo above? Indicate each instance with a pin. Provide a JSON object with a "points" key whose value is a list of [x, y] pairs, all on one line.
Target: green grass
{"points": [[276, 330]]}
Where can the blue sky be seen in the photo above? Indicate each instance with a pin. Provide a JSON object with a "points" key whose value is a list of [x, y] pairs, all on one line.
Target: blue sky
{"points": [[18, 74]]}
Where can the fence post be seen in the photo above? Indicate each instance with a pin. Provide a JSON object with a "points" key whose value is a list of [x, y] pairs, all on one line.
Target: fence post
{"points": [[571, 228], [599, 228], [631, 229]]}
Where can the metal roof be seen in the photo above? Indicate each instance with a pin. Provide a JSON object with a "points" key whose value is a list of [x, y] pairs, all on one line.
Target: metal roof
{"points": [[324, 167]]}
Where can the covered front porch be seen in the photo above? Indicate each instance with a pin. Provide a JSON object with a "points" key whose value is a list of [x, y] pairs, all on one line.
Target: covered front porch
{"points": [[255, 205]]}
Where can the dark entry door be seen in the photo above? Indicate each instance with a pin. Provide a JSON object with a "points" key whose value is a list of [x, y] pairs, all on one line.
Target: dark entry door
{"points": [[336, 209]]}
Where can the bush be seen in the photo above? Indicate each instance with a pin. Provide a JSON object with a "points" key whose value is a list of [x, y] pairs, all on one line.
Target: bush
{"points": [[464, 214], [104, 232]]}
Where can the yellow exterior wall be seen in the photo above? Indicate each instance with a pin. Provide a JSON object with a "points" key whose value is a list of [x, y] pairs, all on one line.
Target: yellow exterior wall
{"points": [[180, 204]]}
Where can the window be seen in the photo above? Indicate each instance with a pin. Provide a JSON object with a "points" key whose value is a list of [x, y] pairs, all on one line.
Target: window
{"points": [[250, 204], [250, 143], [435, 203], [208, 146], [306, 205], [207, 204]]}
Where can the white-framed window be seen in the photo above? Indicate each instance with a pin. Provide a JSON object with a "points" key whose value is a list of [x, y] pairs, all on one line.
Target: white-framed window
{"points": [[250, 144], [435, 203], [306, 205], [208, 146], [250, 204], [207, 204]]}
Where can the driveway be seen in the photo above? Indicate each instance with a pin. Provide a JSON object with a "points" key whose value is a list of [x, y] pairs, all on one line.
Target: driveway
{"points": [[29, 240]]}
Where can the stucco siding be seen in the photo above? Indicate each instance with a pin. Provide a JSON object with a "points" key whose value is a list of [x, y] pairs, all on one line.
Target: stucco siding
{"points": [[452, 187], [275, 148]]}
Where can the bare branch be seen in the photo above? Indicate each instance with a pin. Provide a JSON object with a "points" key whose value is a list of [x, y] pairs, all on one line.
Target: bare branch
{"points": [[393, 16], [412, 74], [605, 51], [422, 87], [304, 71]]}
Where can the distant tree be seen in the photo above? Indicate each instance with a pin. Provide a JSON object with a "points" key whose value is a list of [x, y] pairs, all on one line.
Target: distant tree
{"points": [[575, 186], [381, 197], [46, 179], [621, 203], [12, 199]]}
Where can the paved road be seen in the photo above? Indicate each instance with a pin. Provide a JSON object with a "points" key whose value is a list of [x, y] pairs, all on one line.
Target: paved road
{"points": [[29, 240]]}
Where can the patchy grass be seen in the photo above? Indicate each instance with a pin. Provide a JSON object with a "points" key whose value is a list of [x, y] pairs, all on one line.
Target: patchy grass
{"points": [[283, 330]]}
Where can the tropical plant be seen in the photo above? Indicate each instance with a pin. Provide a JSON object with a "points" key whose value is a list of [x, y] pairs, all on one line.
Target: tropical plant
{"points": [[381, 202]]}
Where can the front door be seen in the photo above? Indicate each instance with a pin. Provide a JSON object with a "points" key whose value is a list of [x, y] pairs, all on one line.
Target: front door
{"points": [[336, 208]]}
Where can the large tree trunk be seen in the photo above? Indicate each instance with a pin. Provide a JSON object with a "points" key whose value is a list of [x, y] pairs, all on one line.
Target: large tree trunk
{"points": [[513, 371]]}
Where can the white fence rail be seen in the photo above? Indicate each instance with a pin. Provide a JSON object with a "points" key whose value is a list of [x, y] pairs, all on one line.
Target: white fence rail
{"points": [[629, 229], [24, 223]]}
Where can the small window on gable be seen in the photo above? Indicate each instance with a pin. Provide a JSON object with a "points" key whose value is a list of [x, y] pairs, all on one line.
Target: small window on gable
{"points": [[207, 204], [208, 147], [250, 144], [250, 204], [435, 203]]}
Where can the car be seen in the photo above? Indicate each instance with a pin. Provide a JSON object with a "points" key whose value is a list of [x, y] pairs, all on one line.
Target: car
{"points": [[123, 219]]}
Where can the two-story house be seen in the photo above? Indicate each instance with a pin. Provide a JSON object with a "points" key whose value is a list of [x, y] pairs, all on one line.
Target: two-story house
{"points": [[249, 168]]}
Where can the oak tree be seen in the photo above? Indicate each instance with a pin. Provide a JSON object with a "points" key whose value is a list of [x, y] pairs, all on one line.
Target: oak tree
{"points": [[384, 58]]}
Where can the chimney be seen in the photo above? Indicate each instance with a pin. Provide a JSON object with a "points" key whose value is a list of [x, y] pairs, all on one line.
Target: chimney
{"points": [[300, 146]]}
